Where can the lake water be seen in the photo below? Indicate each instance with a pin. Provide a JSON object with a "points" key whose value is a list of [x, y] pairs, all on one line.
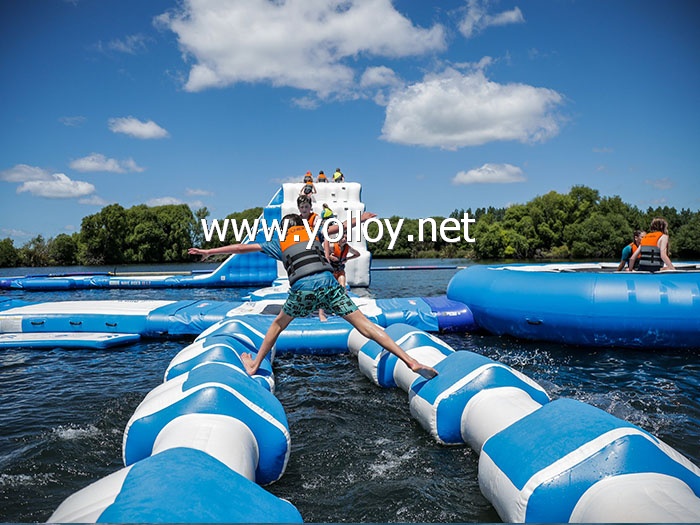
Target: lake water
{"points": [[357, 454]]}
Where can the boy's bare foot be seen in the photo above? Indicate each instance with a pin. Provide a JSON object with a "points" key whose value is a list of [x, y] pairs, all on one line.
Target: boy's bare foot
{"points": [[427, 372]]}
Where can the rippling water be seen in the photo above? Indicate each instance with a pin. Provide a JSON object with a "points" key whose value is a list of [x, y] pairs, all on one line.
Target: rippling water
{"points": [[357, 455]]}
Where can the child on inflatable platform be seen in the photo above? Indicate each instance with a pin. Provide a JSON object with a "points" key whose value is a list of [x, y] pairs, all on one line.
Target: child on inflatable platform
{"points": [[312, 286], [653, 249], [628, 250]]}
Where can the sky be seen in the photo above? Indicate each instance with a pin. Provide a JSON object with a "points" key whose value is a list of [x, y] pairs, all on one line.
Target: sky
{"points": [[432, 105]]}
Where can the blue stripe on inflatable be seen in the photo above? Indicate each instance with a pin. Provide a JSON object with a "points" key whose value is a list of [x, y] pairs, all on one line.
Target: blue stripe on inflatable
{"points": [[412, 311], [187, 317], [183, 485], [534, 434], [214, 397], [451, 393], [604, 445], [452, 316], [220, 349], [407, 337], [556, 499]]}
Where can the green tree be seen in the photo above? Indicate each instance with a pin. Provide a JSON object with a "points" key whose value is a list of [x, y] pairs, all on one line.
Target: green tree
{"points": [[103, 236], [9, 255], [63, 249]]}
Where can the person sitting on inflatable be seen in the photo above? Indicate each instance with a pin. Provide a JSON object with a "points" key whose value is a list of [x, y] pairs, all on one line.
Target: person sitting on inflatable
{"points": [[628, 250], [322, 177], [653, 250]]}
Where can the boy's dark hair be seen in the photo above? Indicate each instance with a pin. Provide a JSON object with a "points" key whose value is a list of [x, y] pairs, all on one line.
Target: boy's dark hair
{"points": [[301, 199], [293, 219]]}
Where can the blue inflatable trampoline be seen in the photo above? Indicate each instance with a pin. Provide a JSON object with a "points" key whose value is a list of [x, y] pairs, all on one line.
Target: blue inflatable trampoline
{"points": [[584, 304]]}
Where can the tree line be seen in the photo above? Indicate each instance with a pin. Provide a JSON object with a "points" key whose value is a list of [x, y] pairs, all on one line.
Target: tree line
{"points": [[577, 225]]}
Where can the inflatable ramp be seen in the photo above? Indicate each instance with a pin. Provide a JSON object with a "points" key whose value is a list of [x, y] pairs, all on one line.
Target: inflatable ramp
{"points": [[254, 269]]}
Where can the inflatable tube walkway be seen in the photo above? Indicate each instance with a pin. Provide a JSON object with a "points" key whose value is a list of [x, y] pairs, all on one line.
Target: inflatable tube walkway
{"points": [[540, 460], [211, 432], [584, 304], [199, 446]]}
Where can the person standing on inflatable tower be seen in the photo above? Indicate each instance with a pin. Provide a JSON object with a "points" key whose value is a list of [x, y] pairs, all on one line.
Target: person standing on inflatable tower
{"points": [[308, 188], [653, 250], [312, 286], [628, 250]]}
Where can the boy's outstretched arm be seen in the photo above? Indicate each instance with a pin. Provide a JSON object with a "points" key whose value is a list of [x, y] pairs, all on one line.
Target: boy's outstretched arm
{"points": [[230, 249]]}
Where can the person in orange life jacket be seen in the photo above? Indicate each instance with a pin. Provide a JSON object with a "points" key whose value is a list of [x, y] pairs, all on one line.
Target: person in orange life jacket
{"points": [[304, 205], [312, 286], [653, 250], [321, 177], [628, 250], [338, 254], [308, 188]]}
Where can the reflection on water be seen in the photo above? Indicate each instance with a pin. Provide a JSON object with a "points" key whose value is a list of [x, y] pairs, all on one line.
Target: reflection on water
{"points": [[357, 454]]}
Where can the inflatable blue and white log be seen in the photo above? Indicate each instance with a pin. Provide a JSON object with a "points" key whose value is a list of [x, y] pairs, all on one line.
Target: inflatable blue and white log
{"points": [[472, 398], [540, 461], [572, 462], [177, 485], [199, 445], [213, 389], [384, 368]]}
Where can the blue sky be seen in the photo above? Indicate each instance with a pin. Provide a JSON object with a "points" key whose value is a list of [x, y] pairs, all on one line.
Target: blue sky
{"points": [[432, 106]]}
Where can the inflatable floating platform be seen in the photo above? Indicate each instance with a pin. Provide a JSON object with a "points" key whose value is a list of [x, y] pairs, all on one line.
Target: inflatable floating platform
{"points": [[584, 304], [101, 324], [201, 446]]}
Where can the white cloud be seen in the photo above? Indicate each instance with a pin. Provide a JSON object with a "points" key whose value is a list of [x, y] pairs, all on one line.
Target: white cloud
{"points": [[59, 187], [477, 18], [297, 43], [93, 200], [24, 173], [72, 122], [660, 184], [136, 128], [131, 44], [162, 201], [453, 110], [98, 162], [489, 174], [197, 192]]}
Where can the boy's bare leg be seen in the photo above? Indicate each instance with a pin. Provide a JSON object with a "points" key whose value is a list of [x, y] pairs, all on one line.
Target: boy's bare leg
{"points": [[372, 331], [278, 325]]}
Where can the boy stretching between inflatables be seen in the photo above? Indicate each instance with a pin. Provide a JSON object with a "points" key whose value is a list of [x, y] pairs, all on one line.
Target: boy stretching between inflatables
{"points": [[311, 287]]}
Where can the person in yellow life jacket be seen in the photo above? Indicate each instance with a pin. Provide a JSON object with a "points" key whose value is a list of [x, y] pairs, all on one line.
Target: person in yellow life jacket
{"points": [[653, 250], [338, 253], [326, 212], [321, 177], [338, 176], [628, 250], [312, 286]]}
